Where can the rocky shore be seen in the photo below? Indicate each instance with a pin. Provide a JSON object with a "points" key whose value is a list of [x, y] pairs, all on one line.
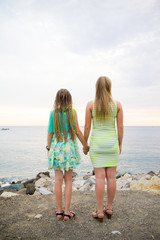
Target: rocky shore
{"points": [[43, 184], [29, 214]]}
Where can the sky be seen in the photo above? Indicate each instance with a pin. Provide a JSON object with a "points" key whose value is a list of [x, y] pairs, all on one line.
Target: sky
{"points": [[46, 45]]}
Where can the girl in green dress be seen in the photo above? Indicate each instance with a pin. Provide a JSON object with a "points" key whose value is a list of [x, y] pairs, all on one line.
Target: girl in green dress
{"points": [[63, 152], [105, 145]]}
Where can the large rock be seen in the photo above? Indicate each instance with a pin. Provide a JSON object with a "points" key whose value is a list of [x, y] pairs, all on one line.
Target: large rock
{"points": [[146, 177], [123, 183], [30, 188], [45, 173], [151, 173], [88, 175], [22, 191], [26, 181], [43, 191], [78, 183], [40, 182], [8, 194], [118, 175], [16, 187], [85, 187], [74, 174], [152, 185], [50, 186], [1, 191], [127, 177], [90, 181]]}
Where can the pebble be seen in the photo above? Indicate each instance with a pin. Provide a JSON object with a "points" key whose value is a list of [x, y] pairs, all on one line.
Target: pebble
{"points": [[116, 233], [38, 216]]}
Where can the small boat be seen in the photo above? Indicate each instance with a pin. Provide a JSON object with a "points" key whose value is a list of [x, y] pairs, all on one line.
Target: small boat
{"points": [[5, 129]]}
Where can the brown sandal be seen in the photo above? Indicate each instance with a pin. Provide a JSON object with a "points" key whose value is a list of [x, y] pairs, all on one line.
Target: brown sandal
{"points": [[109, 215], [100, 216]]}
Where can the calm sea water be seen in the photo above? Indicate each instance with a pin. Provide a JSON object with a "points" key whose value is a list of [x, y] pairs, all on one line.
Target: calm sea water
{"points": [[23, 153]]}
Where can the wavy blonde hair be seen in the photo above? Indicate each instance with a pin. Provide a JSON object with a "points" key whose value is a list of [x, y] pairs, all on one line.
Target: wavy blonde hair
{"points": [[103, 98], [62, 106]]}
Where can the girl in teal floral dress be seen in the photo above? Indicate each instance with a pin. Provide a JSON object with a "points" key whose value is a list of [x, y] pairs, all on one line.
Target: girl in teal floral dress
{"points": [[63, 152]]}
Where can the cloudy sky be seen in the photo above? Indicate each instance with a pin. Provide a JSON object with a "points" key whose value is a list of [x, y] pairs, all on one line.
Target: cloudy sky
{"points": [[46, 45]]}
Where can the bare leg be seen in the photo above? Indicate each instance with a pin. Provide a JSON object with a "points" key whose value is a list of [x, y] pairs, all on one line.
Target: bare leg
{"points": [[111, 186], [58, 190], [68, 190], [100, 188]]}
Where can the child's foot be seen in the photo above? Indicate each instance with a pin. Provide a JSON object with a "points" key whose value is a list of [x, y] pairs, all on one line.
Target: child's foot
{"points": [[69, 216], [59, 215]]}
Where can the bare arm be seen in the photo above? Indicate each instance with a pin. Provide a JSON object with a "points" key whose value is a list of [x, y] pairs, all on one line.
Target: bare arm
{"points": [[49, 138], [79, 133], [88, 117], [120, 125]]}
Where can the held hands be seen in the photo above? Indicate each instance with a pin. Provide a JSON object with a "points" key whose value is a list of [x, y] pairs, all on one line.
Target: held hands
{"points": [[86, 149]]}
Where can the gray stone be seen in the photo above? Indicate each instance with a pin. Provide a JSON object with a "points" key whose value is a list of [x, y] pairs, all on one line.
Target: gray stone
{"points": [[118, 175], [16, 187], [88, 175], [26, 181], [40, 182], [30, 188], [22, 191], [127, 185], [74, 174], [89, 181], [1, 191], [45, 173], [10, 190], [85, 187], [8, 194], [43, 191], [151, 173]]}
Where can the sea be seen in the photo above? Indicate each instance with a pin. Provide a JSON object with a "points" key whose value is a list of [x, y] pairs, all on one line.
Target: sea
{"points": [[23, 154]]}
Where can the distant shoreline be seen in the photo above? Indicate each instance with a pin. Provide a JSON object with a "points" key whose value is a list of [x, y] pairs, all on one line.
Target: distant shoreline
{"points": [[1, 126]]}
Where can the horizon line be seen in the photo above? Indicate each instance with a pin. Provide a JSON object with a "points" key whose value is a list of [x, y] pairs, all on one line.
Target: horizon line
{"points": [[3, 126]]}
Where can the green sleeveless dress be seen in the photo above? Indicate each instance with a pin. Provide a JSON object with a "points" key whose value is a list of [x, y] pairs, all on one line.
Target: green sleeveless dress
{"points": [[104, 147]]}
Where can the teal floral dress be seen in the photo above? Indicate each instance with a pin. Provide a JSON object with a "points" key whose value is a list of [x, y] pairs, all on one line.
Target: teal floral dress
{"points": [[62, 155]]}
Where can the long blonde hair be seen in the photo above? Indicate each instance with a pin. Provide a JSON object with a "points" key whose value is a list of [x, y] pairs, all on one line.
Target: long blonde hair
{"points": [[62, 107], [103, 98]]}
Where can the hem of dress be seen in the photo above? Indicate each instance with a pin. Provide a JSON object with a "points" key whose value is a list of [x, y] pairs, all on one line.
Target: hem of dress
{"points": [[64, 169], [105, 166]]}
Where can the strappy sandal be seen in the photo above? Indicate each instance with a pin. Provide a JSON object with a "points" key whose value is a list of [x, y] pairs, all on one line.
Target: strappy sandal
{"points": [[59, 214], [109, 215], [100, 216], [72, 215]]}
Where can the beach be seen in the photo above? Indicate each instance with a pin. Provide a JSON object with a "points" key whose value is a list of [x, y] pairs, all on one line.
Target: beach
{"points": [[136, 216], [136, 213]]}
